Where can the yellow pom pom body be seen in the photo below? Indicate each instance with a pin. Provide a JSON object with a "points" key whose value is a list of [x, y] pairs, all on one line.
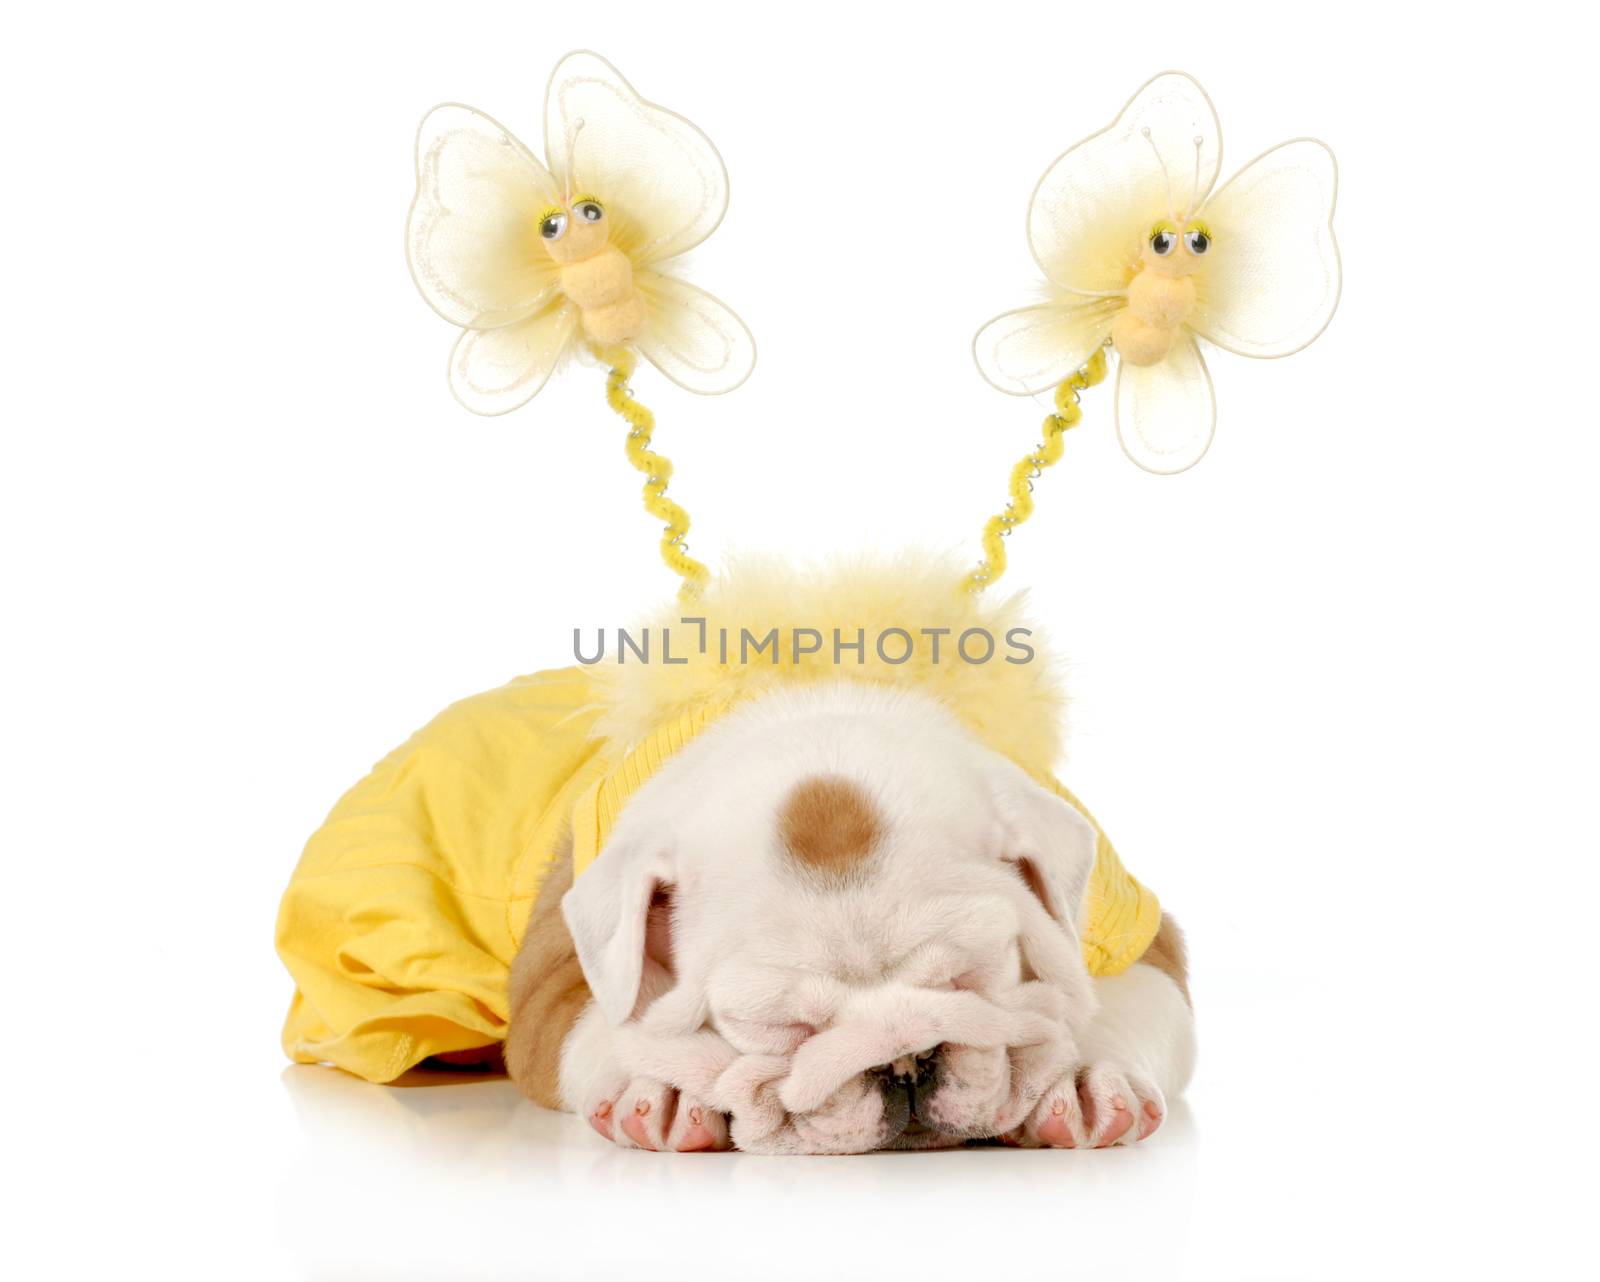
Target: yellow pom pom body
{"points": [[617, 323], [1138, 341], [1161, 298], [1159, 302], [599, 281]]}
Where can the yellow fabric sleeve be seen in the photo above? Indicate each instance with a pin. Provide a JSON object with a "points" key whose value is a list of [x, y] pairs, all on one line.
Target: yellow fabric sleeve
{"points": [[401, 919], [1122, 915]]}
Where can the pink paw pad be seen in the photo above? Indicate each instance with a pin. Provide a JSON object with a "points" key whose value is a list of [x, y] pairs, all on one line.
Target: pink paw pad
{"points": [[633, 1125], [600, 1119], [1121, 1120], [1054, 1130], [696, 1138], [1152, 1119]]}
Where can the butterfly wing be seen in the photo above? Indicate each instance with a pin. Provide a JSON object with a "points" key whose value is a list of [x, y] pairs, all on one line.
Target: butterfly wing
{"points": [[494, 371], [1100, 197], [1272, 278], [1166, 412], [657, 175], [469, 236], [696, 340], [1032, 349]]}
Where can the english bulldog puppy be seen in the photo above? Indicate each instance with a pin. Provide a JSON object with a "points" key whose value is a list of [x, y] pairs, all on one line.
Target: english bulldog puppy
{"points": [[836, 922]]}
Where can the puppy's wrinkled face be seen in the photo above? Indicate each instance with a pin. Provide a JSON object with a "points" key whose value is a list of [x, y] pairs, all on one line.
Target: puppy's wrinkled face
{"points": [[877, 915], [885, 930]]}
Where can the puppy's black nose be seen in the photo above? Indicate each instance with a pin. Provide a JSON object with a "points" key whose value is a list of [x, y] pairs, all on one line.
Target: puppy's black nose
{"points": [[913, 1074], [902, 1082]]}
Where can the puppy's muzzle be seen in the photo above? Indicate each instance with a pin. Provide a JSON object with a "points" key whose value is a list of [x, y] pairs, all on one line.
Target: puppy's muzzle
{"points": [[903, 1082], [884, 1028]]}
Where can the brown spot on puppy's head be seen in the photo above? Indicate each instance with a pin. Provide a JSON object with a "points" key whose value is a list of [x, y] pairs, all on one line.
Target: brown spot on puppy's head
{"points": [[829, 824]]}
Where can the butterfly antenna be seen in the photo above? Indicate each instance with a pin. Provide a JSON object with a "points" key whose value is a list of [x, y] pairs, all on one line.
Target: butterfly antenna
{"points": [[1194, 193], [1165, 176]]}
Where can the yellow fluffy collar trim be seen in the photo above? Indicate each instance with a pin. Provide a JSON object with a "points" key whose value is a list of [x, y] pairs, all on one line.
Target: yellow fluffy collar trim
{"points": [[916, 626]]}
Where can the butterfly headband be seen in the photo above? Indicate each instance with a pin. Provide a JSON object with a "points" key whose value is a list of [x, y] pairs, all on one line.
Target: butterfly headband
{"points": [[1143, 253]]}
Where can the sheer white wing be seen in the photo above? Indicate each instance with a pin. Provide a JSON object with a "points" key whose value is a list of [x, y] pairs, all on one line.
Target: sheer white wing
{"points": [[494, 371], [1032, 349], [1271, 279], [696, 340], [1166, 413], [1094, 205], [656, 174], [470, 236]]}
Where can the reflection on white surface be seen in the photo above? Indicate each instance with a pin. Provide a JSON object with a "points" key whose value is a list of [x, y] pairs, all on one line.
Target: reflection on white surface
{"points": [[458, 1178], [1313, 1143]]}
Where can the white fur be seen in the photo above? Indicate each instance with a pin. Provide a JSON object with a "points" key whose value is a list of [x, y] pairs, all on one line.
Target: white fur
{"points": [[785, 986], [590, 1068], [1143, 1027]]}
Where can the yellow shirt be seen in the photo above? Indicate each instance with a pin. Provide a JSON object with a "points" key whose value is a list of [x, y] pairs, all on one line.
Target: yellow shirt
{"points": [[407, 906]]}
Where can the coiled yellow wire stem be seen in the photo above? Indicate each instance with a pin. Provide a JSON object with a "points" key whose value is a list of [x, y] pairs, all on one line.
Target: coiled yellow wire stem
{"points": [[657, 469], [1020, 506]]}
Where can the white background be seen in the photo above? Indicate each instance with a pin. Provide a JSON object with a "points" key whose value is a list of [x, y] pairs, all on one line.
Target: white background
{"points": [[1335, 692]]}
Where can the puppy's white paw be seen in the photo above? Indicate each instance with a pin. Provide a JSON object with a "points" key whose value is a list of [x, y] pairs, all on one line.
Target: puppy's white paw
{"points": [[648, 1114], [697, 1128], [1096, 1107]]}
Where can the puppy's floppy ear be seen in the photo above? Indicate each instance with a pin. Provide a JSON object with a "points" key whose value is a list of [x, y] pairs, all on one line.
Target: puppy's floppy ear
{"points": [[609, 912], [1052, 846]]}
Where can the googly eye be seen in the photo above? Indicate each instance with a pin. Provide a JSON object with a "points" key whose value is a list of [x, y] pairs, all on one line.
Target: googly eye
{"points": [[1162, 242], [589, 211], [1196, 241], [553, 226]]}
